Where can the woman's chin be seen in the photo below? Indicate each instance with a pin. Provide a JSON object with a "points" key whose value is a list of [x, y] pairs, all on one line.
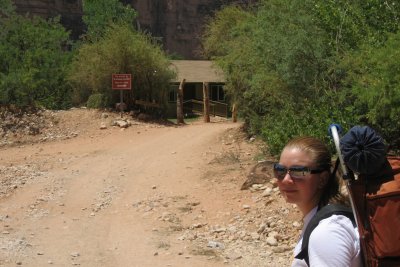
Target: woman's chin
{"points": [[290, 197]]}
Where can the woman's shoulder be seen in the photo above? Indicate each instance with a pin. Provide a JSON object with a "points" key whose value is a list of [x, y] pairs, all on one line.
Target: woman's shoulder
{"points": [[335, 241], [336, 232], [332, 217], [335, 224]]}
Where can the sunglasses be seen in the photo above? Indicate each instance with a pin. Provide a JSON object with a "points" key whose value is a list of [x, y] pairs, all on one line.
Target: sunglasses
{"points": [[296, 172]]}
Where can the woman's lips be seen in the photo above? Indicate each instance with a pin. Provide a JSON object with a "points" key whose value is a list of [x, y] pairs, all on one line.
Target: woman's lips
{"points": [[288, 190]]}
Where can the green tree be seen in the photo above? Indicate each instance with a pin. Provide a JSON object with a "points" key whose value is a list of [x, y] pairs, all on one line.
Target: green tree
{"points": [[6, 8], [288, 61], [121, 50], [350, 23], [374, 83], [290, 58], [33, 62], [226, 41], [98, 15]]}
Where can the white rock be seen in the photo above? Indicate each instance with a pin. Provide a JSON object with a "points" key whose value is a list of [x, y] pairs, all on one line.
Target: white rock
{"points": [[267, 192], [122, 124], [271, 241], [215, 244], [75, 254], [261, 228], [255, 236], [297, 224], [103, 126]]}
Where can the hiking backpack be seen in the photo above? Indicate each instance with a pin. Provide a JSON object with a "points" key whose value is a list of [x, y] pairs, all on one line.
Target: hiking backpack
{"points": [[373, 184], [377, 211]]}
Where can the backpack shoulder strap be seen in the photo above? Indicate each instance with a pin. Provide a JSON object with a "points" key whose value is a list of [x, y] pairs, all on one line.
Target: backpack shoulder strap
{"points": [[325, 212]]}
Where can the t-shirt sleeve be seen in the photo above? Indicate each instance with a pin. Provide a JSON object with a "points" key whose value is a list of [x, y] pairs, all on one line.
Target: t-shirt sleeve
{"points": [[333, 243]]}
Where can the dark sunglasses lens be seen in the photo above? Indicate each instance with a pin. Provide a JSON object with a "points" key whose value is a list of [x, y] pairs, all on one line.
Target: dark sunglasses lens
{"points": [[279, 171], [299, 172]]}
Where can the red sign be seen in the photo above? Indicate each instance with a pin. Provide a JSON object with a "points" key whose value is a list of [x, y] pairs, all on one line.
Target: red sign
{"points": [[121, 81]]}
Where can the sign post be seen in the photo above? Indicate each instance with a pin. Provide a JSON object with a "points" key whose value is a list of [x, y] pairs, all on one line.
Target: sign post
{"points": [[206, 102], [121, 82], [179, 103]]}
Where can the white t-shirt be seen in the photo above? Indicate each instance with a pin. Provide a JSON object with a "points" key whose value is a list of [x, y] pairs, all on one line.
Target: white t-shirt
{"points": [[333, 243]]}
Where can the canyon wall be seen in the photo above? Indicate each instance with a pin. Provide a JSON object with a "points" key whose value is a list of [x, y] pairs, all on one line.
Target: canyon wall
{"points": [[176, 24], [70, 12]]}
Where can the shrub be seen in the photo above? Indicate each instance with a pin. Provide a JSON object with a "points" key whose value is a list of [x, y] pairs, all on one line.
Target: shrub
{"points": [[33, 62], [97, 101], [294, 67], [98, 15], [310, 118], [374, 84], [122, 50]]}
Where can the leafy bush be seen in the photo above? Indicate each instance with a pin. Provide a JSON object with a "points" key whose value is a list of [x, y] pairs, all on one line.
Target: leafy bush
{"points": [[374, 81], [6, 8], [309, 118], [97, 101], [33, 62], [121, 50], [294, 67], [100, 14]]}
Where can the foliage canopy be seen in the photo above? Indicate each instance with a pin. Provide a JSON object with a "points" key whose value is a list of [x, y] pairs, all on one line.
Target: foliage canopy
{"points": [[33, 61], [40, 66], [100, 14], [294, 67], [121, 50]]}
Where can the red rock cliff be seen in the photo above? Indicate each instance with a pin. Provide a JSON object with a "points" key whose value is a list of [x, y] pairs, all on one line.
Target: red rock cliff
{"points": [[178, 24], [69, 10]]}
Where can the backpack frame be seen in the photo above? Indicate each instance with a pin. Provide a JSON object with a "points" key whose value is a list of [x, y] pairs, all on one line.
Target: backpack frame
{"points": [[377, 211], [375, 201]]}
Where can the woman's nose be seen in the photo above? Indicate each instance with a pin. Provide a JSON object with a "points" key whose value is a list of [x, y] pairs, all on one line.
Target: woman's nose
{"points": [[287, 178]]}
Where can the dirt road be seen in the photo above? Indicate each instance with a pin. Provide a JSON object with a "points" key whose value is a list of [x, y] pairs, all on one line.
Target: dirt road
{"points": [[149, 195]]}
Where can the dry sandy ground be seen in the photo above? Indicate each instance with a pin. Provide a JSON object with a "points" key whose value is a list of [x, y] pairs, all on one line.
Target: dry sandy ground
{"points": [[143, 196]]}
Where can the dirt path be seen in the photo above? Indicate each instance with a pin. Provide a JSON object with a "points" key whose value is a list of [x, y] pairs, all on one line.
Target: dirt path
{"points": [[146, 196]]}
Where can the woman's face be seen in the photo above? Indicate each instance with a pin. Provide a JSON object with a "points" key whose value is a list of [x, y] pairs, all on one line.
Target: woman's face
{"points": [[305, 192]]}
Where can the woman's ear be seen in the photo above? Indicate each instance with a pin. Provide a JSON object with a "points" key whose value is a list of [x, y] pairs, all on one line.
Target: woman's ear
{"points": [[324, 177]]}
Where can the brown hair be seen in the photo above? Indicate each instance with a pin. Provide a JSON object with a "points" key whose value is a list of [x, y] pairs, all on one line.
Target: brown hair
{"points": [[321, 156]]}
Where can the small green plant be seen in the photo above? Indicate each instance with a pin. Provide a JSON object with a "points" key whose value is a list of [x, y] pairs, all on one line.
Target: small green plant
{"points": [[122, 50], [186, 208], [33, 61], [163, 245], [227, 157], [259, 156], [97, 101]]}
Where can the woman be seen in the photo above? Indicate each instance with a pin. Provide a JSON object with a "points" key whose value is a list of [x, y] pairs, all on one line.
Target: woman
{"points": [[305, 179]]}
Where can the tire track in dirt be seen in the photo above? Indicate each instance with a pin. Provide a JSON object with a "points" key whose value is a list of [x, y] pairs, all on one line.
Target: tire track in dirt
{"points": [[88, 220]]}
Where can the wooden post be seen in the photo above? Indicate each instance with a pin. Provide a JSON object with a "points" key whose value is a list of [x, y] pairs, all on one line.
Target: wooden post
{"points": [[234, 112], [179, 103], [206, 102]]}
